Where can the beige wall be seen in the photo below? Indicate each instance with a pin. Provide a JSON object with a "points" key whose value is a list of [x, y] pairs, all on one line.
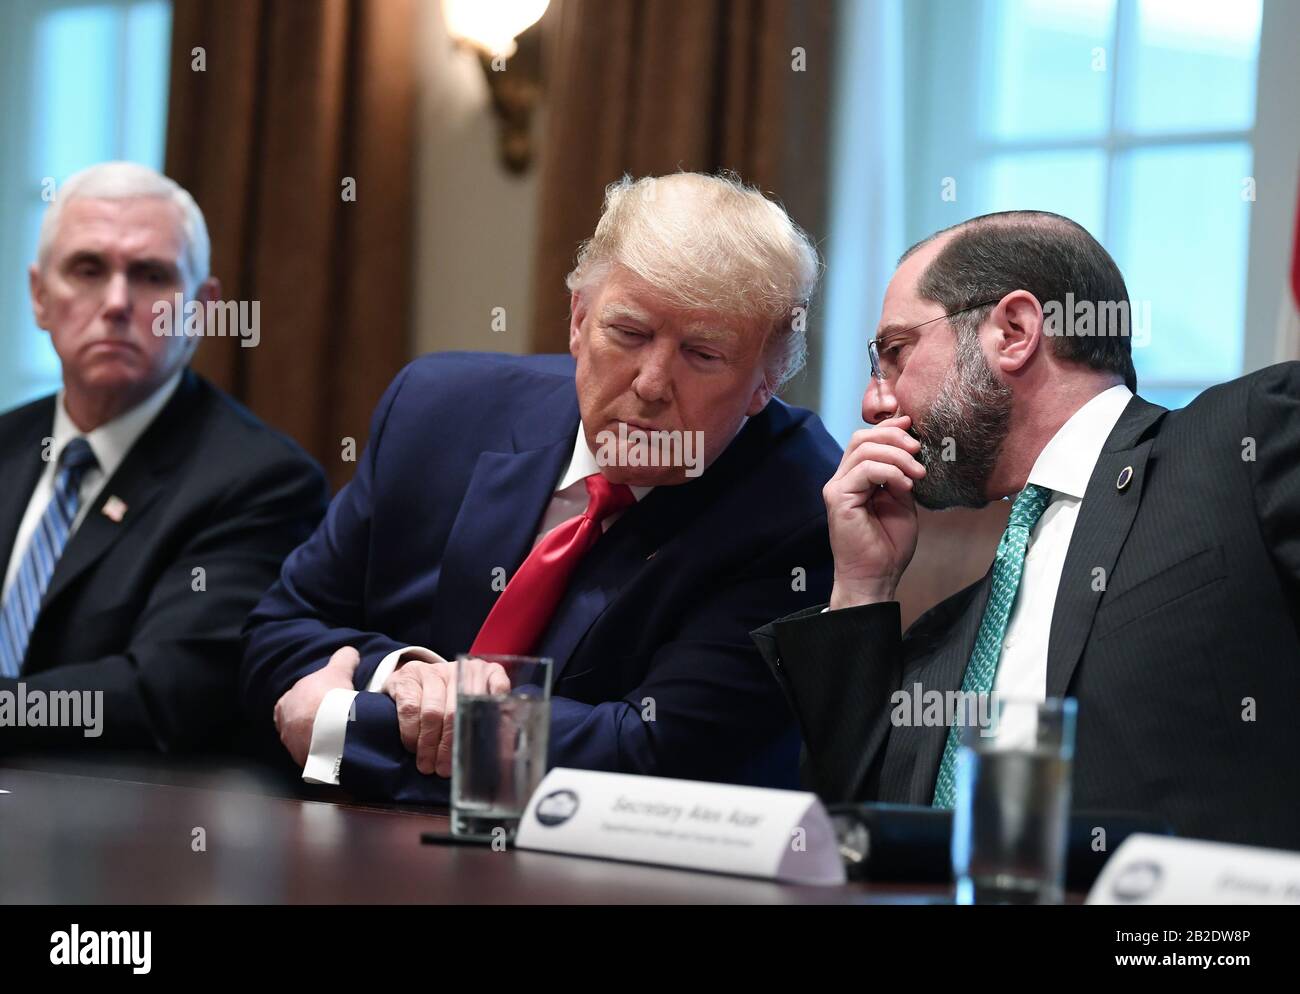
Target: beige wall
{"points": [[475, 223]]}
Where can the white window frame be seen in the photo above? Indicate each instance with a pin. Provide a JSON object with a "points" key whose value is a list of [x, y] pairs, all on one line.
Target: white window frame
{"points": [[885, 106], [19, 190]]}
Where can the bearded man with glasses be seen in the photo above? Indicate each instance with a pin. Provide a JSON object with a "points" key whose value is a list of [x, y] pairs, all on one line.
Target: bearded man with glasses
{"points": [[1150, 568]]}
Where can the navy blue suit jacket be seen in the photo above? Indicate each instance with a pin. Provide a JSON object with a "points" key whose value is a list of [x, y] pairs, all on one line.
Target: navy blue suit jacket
{"points": [[464, 453]]}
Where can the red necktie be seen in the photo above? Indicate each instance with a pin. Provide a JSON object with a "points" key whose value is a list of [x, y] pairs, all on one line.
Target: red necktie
{"points": [[522, 612]]}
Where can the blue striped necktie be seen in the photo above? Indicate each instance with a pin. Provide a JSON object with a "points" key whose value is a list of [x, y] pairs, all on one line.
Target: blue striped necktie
{"points": [[1008, 566], [43, 550]]}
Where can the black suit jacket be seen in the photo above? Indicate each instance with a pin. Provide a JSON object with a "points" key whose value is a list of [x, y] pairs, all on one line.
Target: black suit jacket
{"points": [[206, 486], [1186, 666]]}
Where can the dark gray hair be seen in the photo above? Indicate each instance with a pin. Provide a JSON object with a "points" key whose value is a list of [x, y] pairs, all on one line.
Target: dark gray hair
{"points": [[1045, 254]]}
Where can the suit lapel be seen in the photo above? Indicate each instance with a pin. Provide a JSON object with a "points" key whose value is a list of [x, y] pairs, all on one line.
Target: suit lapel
{"points": [[137, 483], [495, 527], [912, 757], [135, 486], [20, 467], [637, 536], [504, 502], [1106, 514], [1105, 517], [610, 565]]}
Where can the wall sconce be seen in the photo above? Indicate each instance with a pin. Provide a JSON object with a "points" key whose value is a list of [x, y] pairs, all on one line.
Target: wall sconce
{"points": [[511, 56]]}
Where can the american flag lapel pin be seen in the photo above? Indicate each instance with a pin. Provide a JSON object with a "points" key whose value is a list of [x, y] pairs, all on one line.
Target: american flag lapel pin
{"points": [[114, 508]]}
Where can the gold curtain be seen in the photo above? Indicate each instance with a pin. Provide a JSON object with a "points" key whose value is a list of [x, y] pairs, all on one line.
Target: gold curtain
{"points": [[292, 124], [653, 86]]}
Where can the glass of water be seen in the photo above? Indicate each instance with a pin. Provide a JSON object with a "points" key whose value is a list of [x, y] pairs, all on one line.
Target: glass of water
{"points": [[1013, 803], [500, 735]]}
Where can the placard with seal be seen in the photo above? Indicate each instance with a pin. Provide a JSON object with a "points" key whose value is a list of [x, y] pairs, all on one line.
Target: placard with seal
{"points": [[1157, 869], [722, 828]]}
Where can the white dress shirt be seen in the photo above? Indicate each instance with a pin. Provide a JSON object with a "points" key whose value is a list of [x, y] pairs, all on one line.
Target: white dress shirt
{"points": [[1064, 467], [568, 500], [110, 442]]}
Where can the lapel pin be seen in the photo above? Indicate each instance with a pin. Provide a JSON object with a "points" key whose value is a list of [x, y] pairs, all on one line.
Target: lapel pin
{"points": [[1125, 478], [114, 508], [652, 555]]}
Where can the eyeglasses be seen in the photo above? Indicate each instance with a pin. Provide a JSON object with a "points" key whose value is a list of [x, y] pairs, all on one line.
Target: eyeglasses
{"points": [[882, 367]]}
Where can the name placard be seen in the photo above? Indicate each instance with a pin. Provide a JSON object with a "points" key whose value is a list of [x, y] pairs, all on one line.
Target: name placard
{"points": [[750, 831], [1155, 869]]}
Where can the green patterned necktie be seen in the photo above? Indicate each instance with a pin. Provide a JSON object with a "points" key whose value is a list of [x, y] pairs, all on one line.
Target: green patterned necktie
{"points": [[1008, 566]]}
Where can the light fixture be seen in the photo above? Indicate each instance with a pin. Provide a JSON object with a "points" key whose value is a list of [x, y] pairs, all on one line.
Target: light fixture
{"points": [[492, 29], [492, 26]]}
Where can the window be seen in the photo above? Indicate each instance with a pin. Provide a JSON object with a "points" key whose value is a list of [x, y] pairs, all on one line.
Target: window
{"points": [[1136, 118], [81, 82]]}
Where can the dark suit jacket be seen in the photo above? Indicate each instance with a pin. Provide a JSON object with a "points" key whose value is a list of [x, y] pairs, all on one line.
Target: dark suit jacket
{"points": [[464, 453], [1186, 667], [207, 485]]}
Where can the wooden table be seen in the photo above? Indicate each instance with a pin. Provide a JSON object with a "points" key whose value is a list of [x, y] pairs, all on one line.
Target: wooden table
{"points": [[133, 834]]}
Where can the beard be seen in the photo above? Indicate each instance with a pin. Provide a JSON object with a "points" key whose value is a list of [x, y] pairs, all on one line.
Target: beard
{"points": [[963, 432]]}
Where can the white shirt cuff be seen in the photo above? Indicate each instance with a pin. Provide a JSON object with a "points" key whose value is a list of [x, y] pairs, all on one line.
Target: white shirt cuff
{"points": [[330, 727], [327, 734], [394, 659]]}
